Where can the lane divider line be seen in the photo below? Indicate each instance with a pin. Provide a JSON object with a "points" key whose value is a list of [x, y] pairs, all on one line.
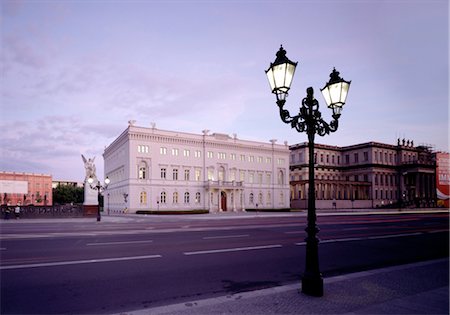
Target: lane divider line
{"points": [[227, 250], [118, 243], [350, 239], [224, 236], [78, 262]]}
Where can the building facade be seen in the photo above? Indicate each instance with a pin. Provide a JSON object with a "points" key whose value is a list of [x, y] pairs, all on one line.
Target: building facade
{"points": [[25, 189], [366, 175], [158, 170]]}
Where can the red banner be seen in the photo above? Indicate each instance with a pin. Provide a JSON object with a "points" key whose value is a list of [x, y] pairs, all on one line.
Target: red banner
{"points": [[443, 179]]}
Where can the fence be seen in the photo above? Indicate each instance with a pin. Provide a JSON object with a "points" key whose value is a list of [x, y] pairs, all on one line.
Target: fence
{"points": [[59, 211]]}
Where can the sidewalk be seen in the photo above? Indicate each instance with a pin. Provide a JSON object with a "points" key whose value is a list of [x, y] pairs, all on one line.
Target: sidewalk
{"points": [[419, 288]]}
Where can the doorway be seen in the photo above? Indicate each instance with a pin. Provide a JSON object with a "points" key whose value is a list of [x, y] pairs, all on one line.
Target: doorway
{"points": [[223, 201]]}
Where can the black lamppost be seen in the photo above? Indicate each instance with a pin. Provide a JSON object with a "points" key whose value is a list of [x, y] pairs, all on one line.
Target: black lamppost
{"points": [[98, 186], [309, 120]]}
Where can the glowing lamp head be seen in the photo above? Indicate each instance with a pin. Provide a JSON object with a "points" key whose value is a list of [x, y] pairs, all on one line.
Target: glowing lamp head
{"points": [[335, 92], [280, 74]]}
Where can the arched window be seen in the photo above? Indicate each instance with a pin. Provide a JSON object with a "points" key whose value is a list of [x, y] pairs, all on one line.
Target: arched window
{"points": [[186, 197], [143, 198], [163, 197], [197, 197], [260, 198], [251, 198], [175, 197], [142, 172]]}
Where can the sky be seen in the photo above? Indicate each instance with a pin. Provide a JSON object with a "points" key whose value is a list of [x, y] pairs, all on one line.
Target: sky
{"points": [[73, 73]]}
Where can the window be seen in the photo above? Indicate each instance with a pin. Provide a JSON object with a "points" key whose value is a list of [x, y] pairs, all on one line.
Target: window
{"points": [[163, 196], [210, 174], [221, 173], [233, 175], [198, 153], [143, 198], [260, 198], [186, 174], [269, 198], [163, 173], [260, 159], [142, 171], [268, 179], [175, 174], [233, 156], [280, 161], [242, 176], [186, 197], [356, 155], [175, 197], [186, 153], [268, 160], [198, 174], [221, 156], [143, 148], [175, 152], [332, 159], [251, 158], [197, 197], [251, 198], [242, 157], [163, 151], [260, 178], [347, 159], [321, 158], [210, 154], [251, 177]]}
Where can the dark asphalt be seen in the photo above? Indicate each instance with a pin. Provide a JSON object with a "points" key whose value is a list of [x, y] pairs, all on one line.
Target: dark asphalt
{"points": [[79, 267]]}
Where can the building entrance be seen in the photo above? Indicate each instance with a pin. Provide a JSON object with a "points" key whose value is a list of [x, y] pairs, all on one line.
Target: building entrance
{"points": [[223, 201]]}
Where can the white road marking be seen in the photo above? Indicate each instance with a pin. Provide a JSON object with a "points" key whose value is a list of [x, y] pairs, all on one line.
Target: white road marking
{"points": [[350, 239], [118, 243], [224, 236], [226, 250], [356, 228], [78, 262]]}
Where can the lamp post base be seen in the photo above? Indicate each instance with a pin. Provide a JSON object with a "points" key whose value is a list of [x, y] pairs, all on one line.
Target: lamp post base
{"points": [[312, 286]]}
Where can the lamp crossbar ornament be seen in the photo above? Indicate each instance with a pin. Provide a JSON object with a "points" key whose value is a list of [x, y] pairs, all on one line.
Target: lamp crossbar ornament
{"points": [[309, 120]]}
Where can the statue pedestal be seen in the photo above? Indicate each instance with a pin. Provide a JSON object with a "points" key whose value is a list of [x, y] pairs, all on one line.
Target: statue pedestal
{"points": [[90, 204], [90, 210]]}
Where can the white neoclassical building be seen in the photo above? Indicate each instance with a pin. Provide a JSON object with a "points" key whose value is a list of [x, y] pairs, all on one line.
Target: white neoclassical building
{"points": [[159, 170]]}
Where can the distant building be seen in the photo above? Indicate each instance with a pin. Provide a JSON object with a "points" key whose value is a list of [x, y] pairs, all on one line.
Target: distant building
{"points": [[25, 189], [365, 175], [56, 183], [152, 169]]}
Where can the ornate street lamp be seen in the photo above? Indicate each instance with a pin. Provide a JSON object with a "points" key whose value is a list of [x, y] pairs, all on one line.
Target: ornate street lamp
{"points": [[98, 186], [309, 120]]}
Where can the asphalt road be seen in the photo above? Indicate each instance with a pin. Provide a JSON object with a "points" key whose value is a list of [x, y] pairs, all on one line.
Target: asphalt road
{"points": [[81, 266]]}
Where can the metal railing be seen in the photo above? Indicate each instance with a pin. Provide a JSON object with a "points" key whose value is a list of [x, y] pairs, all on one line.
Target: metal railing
{"points": [[58, 211]]}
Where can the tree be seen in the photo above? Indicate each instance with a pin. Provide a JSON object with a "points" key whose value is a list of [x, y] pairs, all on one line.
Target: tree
{"points": [[63, 194]]}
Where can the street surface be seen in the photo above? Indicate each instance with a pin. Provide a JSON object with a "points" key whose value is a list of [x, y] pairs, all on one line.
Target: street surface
{"points": [[122, 263]]}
